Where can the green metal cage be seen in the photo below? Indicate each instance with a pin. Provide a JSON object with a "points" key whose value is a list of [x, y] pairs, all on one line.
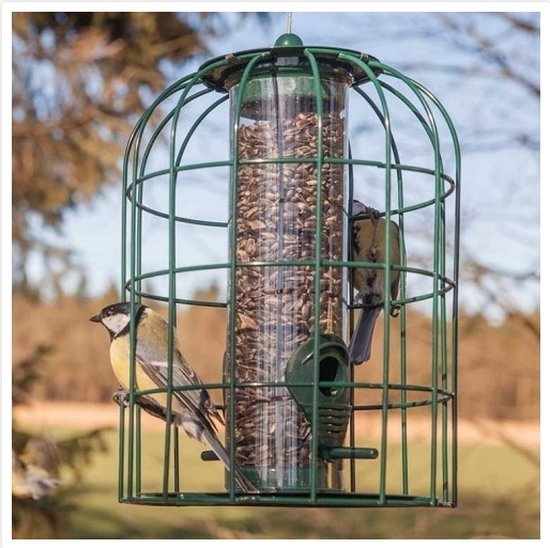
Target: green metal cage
{"points": [[304, 425]]}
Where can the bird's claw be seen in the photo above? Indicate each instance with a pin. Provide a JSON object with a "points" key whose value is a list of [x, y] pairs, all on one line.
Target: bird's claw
{"points": [[374, 213], [121, 397], [395, 310], [359, 298]]}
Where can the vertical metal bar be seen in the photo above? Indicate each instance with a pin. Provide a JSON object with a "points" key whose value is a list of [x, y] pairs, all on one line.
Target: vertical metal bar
{"points": [[121, 440], [437, 236], [175, 432], [454, 349], [236, 112], [352, 464], [138, 271], [456, 269], [402, 285], [172, 319], [132, 150], [387, 300], [132, 407], [402, 330], [438, 169], [435, 314], [123, 267], [317, 274], [138, 451], [444, 371], [386, 353], [403, 336], [233, 210], [454, 317], [172, 316]]}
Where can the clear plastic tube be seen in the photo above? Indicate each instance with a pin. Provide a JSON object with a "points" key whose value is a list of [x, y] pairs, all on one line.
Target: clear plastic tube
{"points": [[276, 221]]}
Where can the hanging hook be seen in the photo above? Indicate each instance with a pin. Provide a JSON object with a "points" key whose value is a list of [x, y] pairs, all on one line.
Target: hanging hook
{"points": [[289, 22]]}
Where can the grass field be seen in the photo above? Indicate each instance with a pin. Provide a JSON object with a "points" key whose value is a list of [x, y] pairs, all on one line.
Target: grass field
{"points": [[498, 498]]}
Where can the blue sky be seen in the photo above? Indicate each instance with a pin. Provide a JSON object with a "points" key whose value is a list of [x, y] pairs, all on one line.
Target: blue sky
{"points": [[496, 185]]}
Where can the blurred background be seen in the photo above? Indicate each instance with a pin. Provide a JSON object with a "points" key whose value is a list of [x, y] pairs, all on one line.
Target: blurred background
{"points": [[80, 82]]}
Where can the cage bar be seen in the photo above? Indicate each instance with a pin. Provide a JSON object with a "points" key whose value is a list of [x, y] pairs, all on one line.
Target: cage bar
{"points": [[293, 404]]}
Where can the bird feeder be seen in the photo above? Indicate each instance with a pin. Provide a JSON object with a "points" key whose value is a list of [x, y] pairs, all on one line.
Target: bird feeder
{"points": [[296, 410]]}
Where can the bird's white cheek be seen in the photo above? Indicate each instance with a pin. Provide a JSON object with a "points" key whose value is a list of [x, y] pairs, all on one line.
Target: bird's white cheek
{"points": [[116, 323]]}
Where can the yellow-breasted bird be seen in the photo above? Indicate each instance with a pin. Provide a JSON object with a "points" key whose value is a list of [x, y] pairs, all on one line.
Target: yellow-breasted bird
{"points": [[193, 410], [368, 244]]}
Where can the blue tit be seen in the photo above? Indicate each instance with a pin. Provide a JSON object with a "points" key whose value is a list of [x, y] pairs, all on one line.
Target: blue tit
{"points": [[193, 410], [368, 244]]}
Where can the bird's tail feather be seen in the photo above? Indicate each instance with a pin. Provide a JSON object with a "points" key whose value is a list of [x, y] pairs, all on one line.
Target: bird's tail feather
{"points": [[240, 479], [361, 340]]}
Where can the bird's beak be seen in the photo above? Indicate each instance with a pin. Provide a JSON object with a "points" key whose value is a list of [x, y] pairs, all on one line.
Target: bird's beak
{"points": [[96, 318]]}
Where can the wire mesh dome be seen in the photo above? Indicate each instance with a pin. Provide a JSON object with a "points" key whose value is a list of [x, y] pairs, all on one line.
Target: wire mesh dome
{"points": [[245, 172]]}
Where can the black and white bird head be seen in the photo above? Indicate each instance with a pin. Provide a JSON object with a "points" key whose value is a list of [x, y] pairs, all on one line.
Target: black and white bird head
{"points": [[116, 317]]}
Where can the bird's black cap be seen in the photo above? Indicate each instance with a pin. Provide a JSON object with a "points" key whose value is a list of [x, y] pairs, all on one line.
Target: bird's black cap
{"points": [[117, 308]]}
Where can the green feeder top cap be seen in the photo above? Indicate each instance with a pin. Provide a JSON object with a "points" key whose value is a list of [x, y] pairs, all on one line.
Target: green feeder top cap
{"points": [[287, 57], [288, 39]]}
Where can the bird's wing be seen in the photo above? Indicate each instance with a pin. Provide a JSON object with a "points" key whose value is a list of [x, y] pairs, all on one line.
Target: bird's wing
{"points": [[395, 258], [197, 402]]}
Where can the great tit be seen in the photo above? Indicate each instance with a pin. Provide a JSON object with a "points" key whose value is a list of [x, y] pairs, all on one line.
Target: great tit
{"points": [[193, 410], [368, 244]]}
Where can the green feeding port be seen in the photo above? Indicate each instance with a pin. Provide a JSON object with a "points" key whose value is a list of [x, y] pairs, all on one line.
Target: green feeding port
{"points": [[303, 424], [333, 401]]}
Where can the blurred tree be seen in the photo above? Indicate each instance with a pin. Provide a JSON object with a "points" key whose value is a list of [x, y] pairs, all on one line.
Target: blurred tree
{"points": [[79, 82], [81, 79], [508, 55], [499, 54], [485, 66], [493, 40], [39, 505]]}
